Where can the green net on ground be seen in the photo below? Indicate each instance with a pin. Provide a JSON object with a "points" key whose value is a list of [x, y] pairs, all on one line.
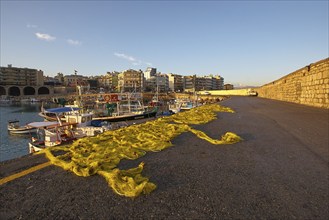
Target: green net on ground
{"points": [[101, 154]]}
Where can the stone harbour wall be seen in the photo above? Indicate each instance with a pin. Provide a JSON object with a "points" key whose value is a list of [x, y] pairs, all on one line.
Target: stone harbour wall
{"points": [[308, 86]]}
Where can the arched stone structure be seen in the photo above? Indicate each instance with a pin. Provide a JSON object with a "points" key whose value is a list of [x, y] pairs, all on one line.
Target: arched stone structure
{"points": [[28, 90], [3, 91], [43, 90], [14, 91]]}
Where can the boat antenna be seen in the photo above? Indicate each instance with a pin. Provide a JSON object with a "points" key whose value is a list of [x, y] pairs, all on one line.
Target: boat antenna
{"points": [[77, 89]]}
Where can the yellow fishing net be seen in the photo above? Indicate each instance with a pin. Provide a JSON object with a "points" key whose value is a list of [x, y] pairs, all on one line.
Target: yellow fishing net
{"points": [[101, 154]]}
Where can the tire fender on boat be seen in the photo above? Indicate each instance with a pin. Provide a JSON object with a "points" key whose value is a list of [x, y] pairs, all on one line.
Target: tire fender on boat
{"points": [[106, 98]]}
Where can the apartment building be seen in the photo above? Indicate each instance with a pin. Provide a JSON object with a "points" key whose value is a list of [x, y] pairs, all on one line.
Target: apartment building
{"points": [[60, 78], [131, 80], [209, 83], [104, 81], [73, 80], [189, 83], [162, 83], [113, 81], [199, 83], [21, 76], [158, 83], [175, 82], [150, 72], [150, 84], [203, 83], [218, 83], [228, 87]]}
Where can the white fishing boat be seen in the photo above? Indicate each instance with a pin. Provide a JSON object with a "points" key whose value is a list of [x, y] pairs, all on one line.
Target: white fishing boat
{"points": [[29, 100], [124, 107], [15, 128], [56, 114], [182, 105], [50, 133], [5, 100], [70, 125]]}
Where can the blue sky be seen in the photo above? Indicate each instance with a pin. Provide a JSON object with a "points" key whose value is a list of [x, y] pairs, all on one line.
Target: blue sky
{"points": [[246, 42]]}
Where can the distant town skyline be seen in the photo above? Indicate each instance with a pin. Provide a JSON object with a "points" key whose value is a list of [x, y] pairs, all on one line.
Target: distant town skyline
{"points": [[247, 42]]}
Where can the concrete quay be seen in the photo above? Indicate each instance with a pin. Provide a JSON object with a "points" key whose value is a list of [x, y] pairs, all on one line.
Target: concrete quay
{"points": [[279, 171]]}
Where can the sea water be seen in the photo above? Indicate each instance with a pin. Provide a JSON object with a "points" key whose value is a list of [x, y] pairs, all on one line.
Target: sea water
{"points": [[11, 145]]}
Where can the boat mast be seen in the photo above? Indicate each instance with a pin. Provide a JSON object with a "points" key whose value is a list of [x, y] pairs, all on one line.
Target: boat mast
{"points": [[157, 91], [194, 91], [77, 90]]}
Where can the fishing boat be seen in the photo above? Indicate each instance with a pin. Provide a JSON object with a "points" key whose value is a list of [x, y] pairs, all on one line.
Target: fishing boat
{"points": [[5, 100], [182, 105], [70, 125], [155, 100], [125, 110], [53, 114], [78, 116], [15, 128], [29, 100], [126, 116], [51, 133]]}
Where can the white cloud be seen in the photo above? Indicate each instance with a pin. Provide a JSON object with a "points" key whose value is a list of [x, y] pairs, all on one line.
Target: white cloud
{"points": [[74, 42], [45, 37], [134, 61], [124, 56]]}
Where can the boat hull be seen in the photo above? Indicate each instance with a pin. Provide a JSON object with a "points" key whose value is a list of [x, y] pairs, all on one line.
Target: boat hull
{"points": [[40, 145], [126, 117], [35, 148], [22, 131]]}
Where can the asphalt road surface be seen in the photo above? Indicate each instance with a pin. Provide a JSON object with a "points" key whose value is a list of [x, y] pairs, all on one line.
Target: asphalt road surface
{"points": [[279, 171]]}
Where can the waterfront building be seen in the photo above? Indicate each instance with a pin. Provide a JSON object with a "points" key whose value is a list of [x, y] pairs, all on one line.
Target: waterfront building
{"points": [[60, 78], [150, 84], [209, 83], [93, 84], [51, 81], [150, 72], [162, 83], [158, 83], [203, 83], [113, 80], [73, 80], [228, 87], [218, 83], [175, 82], [21, 76], [189, 83], [131, 80], [104, 81]]}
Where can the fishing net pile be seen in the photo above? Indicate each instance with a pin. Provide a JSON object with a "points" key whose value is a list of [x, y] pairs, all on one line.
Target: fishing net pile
{"points": [[101, 154]]}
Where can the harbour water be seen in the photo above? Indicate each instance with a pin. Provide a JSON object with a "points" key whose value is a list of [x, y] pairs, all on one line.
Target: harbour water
{"points": [[14, 146]]}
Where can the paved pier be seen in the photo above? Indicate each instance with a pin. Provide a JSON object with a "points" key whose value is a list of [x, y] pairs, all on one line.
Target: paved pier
{"points": [[279, 171]]}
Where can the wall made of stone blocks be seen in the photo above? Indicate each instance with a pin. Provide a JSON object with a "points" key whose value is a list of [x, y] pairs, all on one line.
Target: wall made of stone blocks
{"points": [[308, 85]]}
